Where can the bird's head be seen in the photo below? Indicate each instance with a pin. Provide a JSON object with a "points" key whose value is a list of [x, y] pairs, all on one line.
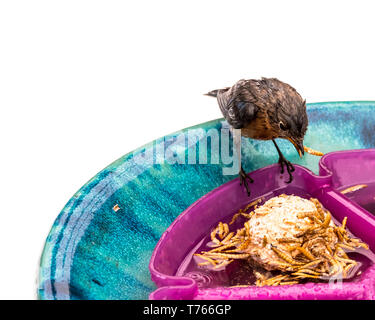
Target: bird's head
{"points": [[291, 122]]}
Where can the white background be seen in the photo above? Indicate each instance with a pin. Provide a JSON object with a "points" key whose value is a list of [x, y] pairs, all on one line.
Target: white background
{"points": [[84, 82]]}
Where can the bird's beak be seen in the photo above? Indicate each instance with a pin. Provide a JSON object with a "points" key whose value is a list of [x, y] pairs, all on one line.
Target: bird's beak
{"points": [[298, 145]]}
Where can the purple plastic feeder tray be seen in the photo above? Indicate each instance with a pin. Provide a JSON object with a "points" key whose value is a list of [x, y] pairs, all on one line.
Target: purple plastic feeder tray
{"points": [[349, 168], [173, 253]]}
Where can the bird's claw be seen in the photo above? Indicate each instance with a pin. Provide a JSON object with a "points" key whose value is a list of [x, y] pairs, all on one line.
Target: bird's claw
{"points": [[243, 180], [289, 167]]}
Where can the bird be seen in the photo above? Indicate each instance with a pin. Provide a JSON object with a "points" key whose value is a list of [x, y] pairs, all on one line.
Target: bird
{"points": [[264, 109]]}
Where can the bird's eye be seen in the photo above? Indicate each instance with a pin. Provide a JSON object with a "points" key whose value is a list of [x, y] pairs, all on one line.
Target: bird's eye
{"points": [[282, 126]]}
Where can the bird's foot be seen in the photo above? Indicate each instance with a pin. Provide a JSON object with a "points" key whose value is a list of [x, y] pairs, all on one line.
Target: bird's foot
{"points": [[289, 167], [243, 180]]}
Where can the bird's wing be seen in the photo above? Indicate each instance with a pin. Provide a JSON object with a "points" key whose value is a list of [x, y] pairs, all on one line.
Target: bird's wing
{"points": [[237, 105]]}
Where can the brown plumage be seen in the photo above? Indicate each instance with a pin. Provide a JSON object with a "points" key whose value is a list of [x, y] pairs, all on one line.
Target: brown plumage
{"points": [[265, 109]]}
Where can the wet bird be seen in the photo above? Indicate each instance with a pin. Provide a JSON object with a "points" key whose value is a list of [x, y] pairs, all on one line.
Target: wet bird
{"points": [[264, 109]]}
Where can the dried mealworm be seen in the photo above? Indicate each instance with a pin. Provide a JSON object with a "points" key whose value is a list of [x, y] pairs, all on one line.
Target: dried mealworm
{"points": [[341, 251], [354, 188], [346, 246], [318, 208], [221, 230], [312, 264], [304, 232], [310, 214], [244, 245], [234, 218], [343, 225], [357, 243], [247, 215], [290, 240], [312, 151], [342, 231], [309, 272], [284, 256], [346, 260], [228, 237], [275, 280], [335, 265], [204, 263], [339, 234], [283, 264], [226, 229], [327, 220], [304, 275], [363, 245], [259, 283], [305, 252], [228, 255], [221, 248], [247, 228], [213, 235], [253, 203], [206, 258], [329, 249]]}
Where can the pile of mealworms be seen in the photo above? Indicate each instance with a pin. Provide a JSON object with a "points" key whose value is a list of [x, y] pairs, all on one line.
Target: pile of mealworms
{"points": [[319, 252]]}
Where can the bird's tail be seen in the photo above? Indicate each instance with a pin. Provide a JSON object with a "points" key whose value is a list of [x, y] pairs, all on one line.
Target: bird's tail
{"points": [[213, 93]]}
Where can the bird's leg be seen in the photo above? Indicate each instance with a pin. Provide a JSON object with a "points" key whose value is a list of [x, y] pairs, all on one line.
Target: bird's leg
{"points": [[283, 161], [243, 176], [243, 180]]}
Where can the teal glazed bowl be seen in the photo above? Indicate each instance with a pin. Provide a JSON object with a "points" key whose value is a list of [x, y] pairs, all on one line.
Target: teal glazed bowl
{"points": [[101, 243]]}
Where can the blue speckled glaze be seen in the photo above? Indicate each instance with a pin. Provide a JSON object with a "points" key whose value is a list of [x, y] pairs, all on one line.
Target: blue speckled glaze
{"points": [[95, 252]]}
